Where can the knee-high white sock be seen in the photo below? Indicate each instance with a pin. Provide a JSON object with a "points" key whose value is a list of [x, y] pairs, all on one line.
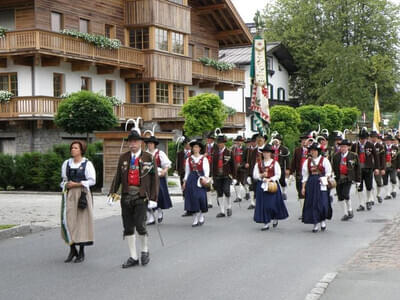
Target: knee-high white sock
{"points": [[344, 205], [246, 188], [348, 204], [228, 202], [301, 205], [221, 204], [369, 196], [284, 189], [253, 201], [378, 191], [201, 217], [196, 218], [132, 246], [393, 187], [237, 191], [150, 217], [144, 242]]}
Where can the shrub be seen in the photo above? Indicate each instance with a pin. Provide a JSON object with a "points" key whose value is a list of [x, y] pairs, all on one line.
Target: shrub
{"points": [[7, 170]]}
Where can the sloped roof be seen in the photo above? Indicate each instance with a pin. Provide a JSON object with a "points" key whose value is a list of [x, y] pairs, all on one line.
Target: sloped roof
{"points": [[242, 55]]}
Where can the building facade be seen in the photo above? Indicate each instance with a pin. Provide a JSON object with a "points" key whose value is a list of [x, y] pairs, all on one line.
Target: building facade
{"points": [[154, 71]]}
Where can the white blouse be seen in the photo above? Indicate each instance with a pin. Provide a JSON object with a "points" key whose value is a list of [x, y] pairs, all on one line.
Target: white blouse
{"points": [[90, 172], [206, 166], [326, 164], [277, 170], [165, 162]]}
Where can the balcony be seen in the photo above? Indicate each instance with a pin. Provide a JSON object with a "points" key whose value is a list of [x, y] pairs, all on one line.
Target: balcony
{"points": [[222, 80], [45, 108], [53, 43]]}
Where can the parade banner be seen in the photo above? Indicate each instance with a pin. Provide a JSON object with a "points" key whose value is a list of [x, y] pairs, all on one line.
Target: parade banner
{"points": [[259, 89], [377, 114], [65, 234]]}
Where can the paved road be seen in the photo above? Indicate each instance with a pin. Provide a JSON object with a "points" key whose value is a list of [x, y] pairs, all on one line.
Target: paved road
{"points": [[225, 259]]}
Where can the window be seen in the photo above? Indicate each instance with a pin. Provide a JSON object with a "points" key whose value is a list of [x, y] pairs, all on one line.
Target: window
{"points": [[177, 1], [9, 82], [56, 21], [221, 95], [177, 43], [110, 88], [85, 84], [179, 94], [8, 146], [206, 52], [270, 63], [139, 38], [162, 92], [58, 84], [7, 19], [281, 94], [161, 39], [84, 25], [192, 94], [270, 91], [140, 92], [109, 31], [191, 50]]}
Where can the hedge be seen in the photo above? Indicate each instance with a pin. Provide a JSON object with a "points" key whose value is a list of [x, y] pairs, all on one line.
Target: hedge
{"points": [[36, 171]]}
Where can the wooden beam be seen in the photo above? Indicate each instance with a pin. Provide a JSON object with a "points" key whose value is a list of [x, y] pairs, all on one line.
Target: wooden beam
{"points": [[3, 62], [226, 87], [50, 61], [224, 34], [23, 60], [80, 66], [209, 8], [209, 84], [125, 73], [101, 70]]}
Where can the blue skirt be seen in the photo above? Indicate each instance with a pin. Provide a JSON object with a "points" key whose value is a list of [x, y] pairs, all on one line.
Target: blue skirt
{"points": [[164, 200], [195, 197], [269, 206], [317, 206]]}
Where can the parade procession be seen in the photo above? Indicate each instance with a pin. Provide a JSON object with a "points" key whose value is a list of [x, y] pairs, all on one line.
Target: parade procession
{"points": [[200, 149]]}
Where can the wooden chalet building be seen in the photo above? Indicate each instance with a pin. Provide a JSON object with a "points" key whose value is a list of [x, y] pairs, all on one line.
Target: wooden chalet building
{"points": [[154, 72]]}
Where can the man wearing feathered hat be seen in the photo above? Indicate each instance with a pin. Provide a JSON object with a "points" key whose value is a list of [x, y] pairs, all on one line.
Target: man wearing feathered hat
{"points": [[392, 164], [238, 158], [138, 176], [380, 152], [222, 166], [369, 164], [347, 170]]}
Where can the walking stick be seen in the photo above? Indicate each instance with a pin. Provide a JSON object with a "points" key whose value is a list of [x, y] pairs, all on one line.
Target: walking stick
{"points": [[151, 211]]}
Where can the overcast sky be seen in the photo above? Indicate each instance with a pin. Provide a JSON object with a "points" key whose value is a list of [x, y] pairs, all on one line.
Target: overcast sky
{"points": [[247, 8]]}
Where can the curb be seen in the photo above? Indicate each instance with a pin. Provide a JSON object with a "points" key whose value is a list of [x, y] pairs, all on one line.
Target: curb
{"points": [[20, 230], [321, 286]]}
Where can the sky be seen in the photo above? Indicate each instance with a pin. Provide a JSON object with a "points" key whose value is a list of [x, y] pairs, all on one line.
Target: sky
{"points": [[247, 8]]}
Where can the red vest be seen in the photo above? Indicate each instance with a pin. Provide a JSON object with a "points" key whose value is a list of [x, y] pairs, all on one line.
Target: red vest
{"points": [[238, 155], [157, 159], [362, 154], [196, 166], [343, 166], [316, 169], [270, 169], [209, 153], [220, 159], [388, 155], [304, 153], [133, 174]]}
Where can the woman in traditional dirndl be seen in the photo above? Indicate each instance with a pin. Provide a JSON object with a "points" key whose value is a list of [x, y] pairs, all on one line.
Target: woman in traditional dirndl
{"points": [[317, 205], [197, 171], [163, 164], [269, 204], [78, 175]]}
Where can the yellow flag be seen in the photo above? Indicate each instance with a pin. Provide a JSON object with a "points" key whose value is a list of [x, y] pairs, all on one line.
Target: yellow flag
{"points": [[377, 114]]}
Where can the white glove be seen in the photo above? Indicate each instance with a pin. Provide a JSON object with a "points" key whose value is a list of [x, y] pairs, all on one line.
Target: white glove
{"points": [[234, 181], [249, 182], [110, 201], [151, 204]]}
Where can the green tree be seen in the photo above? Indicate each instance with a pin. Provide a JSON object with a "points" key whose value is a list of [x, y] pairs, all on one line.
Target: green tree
{"points": [[312, 116], [341, 48], [203, 113], [334, 117], [286, 121], [350, 117], [84, 112]]}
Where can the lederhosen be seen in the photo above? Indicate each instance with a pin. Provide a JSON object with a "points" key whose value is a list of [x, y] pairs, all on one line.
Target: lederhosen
{"points": [[133, 206], [222, 182], [380, 152], [366, 173], [239, 174], [391, 165]]}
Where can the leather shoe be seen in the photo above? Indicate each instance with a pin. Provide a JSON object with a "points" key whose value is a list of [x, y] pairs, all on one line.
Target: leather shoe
{"points": [[251, 206], [275, 224], [265, 228], [144, 258], [284, 196], [345, 218], [369, 205], [247, 197], [210, 206], [323, 228], [187, 214], [229, 212], [361, 208], [393, 194], [380, 200], [237, 200], [221, 215], [72, 253], [351, 214], [388, 197], [151, 223], [130, 263]]}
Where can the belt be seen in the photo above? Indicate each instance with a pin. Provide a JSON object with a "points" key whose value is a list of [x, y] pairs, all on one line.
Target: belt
{"points": [[133, 190]]}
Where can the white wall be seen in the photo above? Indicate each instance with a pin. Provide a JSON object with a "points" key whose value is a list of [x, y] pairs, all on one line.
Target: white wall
{"points": [[198, 90]]}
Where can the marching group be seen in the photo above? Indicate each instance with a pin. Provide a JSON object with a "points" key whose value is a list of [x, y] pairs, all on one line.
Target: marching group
{"points": [[253, 166]]}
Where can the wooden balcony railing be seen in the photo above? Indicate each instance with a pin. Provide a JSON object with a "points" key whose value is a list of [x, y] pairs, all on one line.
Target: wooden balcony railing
{"points": [[43, 107], [63, 45], [234, 76]]}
